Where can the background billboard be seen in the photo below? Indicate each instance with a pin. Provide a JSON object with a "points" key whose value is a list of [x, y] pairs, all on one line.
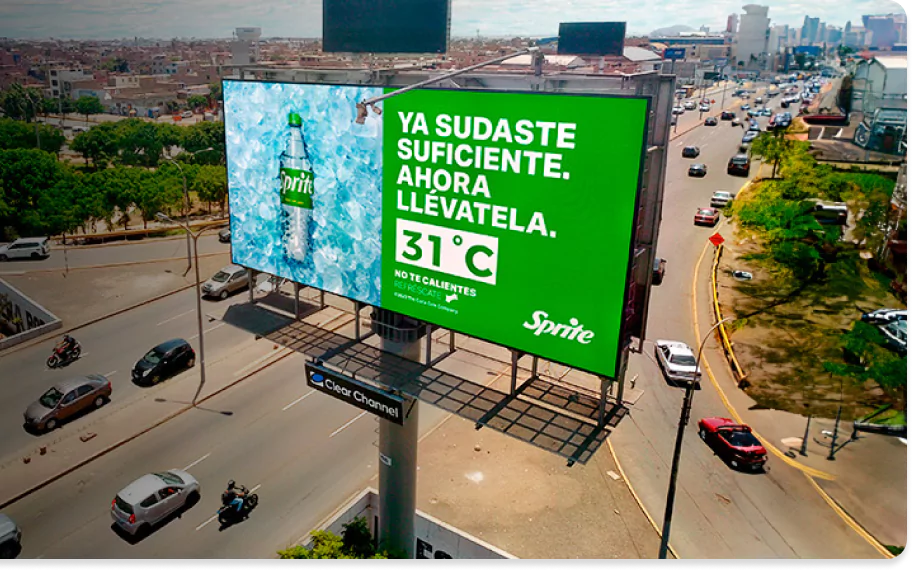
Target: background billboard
{"points": [[674, 53], [505, 216], [386, 26], [591, 38]]}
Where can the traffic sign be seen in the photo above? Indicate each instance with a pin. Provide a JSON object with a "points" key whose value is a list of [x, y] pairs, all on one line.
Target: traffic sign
{"points": [[716, 239]]}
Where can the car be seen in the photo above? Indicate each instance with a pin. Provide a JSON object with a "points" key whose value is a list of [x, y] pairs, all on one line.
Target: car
{"points": [[225, 235], [895, 334], [187, 114], [745, 107], [149, 500], [676, 361], [689, 105], [66, 399], [734, 443], [758, 100], [736, 122], [786, 102], [706, 217], [705, 108], [750, 136], [678, 110], [711, 121], [705, 101], [226, 281], [765, 112], [26, 248], [163, 361], [697, 169], [727, 115], [721, 199], [659, 270], [10, 538], [739, 164], [691, 151], [884, 315], [754, 127]]}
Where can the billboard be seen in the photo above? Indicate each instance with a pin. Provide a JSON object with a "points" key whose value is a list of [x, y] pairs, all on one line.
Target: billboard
{"points": [[674, 53], [386, 26], [505, 216], [591, 38]]}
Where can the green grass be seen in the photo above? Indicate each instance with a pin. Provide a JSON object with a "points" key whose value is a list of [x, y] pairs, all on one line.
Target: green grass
{"points": [[895, 550]]}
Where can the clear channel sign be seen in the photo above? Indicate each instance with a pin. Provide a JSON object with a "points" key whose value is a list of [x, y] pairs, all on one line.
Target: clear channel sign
{"points": [[505, 216]]}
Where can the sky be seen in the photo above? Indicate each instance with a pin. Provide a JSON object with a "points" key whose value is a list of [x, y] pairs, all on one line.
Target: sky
{"points": [[111, 19]]}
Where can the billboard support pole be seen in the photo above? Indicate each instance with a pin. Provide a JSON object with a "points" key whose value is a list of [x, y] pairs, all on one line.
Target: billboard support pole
{"points": [[250, 285], [297, 290]]}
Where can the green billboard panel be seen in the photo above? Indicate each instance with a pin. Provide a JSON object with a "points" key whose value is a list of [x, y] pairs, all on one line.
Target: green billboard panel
{"points": [[505, 216]]}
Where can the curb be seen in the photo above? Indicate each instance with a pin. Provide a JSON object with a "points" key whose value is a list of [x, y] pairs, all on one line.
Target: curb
{"points": [[128, 439], [718, 316]]}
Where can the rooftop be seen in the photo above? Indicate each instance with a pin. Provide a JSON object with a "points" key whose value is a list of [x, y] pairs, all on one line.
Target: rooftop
{"points": [[892, 62]]}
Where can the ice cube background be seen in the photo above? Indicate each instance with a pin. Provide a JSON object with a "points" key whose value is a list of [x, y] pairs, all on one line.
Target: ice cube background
{"points": [[345, 225]]}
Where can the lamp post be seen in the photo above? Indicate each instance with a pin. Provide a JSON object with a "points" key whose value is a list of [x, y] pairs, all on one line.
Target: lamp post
{"points": [[196, 266], [186, 199], [683, 421], [35, 111]]}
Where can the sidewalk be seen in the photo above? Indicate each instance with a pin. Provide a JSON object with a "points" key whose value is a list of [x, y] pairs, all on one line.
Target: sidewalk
{"points": [[869, 474]]}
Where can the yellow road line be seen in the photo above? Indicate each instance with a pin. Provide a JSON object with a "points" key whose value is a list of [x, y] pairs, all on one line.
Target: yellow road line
{"points": [[732, 411], [643, 508], [850, 521]]}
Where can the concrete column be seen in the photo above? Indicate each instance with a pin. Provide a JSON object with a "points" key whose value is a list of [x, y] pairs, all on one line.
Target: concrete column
{"points": [[397, 468]]}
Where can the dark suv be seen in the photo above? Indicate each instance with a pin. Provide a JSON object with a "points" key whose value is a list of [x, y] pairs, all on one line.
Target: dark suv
{"points": [[163, 361], [739, 165]]}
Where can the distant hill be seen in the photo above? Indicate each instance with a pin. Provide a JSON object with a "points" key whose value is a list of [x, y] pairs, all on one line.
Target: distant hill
{"points": [[671, 31]]}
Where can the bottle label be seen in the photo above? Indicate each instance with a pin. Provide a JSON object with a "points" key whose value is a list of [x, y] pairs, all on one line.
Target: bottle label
{"points": [[296, 188]]}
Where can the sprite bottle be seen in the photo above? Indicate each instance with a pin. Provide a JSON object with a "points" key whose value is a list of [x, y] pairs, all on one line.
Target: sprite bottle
{"points": [[296, 192]]}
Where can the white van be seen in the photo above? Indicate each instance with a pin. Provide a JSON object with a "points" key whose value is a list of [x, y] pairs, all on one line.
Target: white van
{"points": [[831, 212], [187, 114], [33, 248]]}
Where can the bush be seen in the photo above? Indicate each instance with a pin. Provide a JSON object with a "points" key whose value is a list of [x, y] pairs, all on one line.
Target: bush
{"points": [[356, 543]]}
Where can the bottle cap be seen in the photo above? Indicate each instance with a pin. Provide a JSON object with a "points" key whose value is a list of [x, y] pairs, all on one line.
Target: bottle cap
{"points": [[294, 119]]}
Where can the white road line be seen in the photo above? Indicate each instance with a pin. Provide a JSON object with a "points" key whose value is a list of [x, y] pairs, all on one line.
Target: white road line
{"points": [[210, 520], [255, 488], [175, 317], [109, 374], [346, 425], [298, 400], [205, 331], [259, 362], [195, 462]]}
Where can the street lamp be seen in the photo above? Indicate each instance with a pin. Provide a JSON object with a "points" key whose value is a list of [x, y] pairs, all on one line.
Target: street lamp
{"points": [[196, 266], [186, 199], [683, 421], [35, 111]]}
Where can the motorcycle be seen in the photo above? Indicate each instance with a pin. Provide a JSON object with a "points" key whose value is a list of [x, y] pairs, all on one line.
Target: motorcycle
{"points": [[63, 356], [228, 514]]}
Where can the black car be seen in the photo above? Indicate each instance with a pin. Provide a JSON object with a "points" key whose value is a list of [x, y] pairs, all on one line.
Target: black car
{"points": [[163, 361], [659, 270], [739, 165], [225, 235], [697, 169], [691, 151], [711, 121], [727, 115]]}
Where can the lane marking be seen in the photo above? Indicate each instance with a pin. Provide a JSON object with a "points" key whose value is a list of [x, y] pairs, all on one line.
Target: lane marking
{"points": [[197, 461], [298, 400], [205, 331], [109, 374], [346, 425], [175, 317]]}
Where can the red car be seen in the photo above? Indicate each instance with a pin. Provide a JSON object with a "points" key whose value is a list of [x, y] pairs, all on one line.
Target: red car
{"points": [[707, 216], [732, 442]]}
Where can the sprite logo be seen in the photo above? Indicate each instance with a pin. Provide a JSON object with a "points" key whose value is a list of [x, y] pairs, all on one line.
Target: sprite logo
{"points": [[296, 188]]}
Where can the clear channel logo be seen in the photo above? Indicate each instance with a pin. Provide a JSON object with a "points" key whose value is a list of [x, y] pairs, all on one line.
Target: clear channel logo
{"points": [[572, 330], [317, 378]]}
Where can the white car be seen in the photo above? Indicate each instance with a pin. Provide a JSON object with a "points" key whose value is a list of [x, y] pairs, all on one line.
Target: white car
{"points": [[882, 316], [678, 110], [152, 498], [721, 199], [705, 108], [677, 361], [33, 248]]}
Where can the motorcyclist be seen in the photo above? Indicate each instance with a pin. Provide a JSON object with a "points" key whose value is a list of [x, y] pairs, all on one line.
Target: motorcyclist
{"points": [[233, 496], [67, 345]]}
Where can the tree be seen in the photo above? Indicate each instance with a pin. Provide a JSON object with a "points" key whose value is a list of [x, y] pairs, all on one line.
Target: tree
{"points": [[772, 147], [204, 135], [140, 142], [196, 101], [215, 93], [88, 105], [116, 65], [355, 543], [99, 144], [20, 103], [26, 175], [866, 358], [120, 185], [211, 185]]}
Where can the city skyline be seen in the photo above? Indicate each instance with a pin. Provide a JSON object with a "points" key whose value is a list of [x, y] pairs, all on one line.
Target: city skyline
{"points": [[165, 19]]}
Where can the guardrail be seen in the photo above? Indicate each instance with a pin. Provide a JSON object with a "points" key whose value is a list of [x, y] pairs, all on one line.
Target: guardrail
{"points": [[138, 233], [718, 315]]}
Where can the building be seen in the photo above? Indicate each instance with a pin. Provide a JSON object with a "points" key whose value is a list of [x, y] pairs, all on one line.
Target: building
{"points": [[752, 37], [809, 31], [732, 23], [60, 80], [884, 32], [880, 83], [245, 48]]}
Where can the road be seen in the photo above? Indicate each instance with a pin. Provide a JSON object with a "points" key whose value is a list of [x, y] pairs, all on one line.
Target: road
{"points": [[719, 512], [117, 253]]}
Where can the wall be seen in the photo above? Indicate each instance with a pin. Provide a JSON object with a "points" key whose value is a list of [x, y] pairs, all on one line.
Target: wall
{"points": [[22, 314], [434, 538]]}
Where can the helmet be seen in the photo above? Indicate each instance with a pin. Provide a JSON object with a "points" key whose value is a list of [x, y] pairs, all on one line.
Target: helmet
{"points": [[231, 484]]}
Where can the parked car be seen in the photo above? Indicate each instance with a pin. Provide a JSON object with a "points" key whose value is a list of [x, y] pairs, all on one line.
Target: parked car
{"points": [[225, 235], [750, 136], [10, 538], [691, 152], [659, 270], [884, 315], [187, 114], [721, 199], [228, 280], [706, 217], [739, 164], [733, 442], [895, 334], [727, 115], [66, 399], [677, 110], [705, 108], [163, 361], [26, 248], [697, 169], [149, 500], [754, 127], [689, 105], [676, 361], [711, 121]]}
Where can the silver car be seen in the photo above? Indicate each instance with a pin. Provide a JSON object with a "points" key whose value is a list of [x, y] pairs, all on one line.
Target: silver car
{"points": [[226, 281], [10, 538], [26, 248], [151, 499]]}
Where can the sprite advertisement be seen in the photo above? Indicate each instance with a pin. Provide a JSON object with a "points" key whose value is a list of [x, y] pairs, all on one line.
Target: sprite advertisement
{"points": [[505, 216]]}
